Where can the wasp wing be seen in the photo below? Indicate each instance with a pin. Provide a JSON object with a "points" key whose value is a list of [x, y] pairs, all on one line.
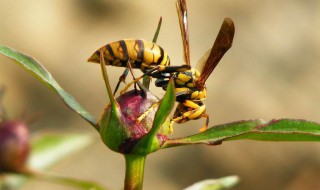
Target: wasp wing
{"points": [[221, 45], [183, 21], [202, 60]]}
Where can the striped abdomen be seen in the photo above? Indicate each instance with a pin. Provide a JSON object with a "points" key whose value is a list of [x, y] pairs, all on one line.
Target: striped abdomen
{"points": [[145, 54]]}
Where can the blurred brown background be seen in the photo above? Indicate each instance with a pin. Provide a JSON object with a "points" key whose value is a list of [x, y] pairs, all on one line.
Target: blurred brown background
{"points": [[272, 71]]}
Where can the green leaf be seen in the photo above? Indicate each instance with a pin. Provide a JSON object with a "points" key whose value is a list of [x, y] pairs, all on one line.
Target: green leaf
{"points": [[284, 130], [156, 34], [275, 130], [36, 69], [48, 149], [215, 184], [79, 184], [14, 181]]}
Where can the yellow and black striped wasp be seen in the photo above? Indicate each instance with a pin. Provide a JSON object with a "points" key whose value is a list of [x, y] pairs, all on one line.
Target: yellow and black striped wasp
{"points": [[190, 86], [154, 62], [147, 56], [132, 53]]}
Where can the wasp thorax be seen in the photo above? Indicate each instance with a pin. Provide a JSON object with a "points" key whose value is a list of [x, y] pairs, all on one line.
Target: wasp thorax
{"points": [[121, 128], [14, 146]]}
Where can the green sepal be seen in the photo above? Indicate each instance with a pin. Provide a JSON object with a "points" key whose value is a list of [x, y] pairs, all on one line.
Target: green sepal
{"points": [[161, 125], [112, 130]]}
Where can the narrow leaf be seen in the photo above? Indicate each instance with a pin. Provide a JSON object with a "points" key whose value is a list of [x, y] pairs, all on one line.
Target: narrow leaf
{"points": [[215, 184], [36, 69], [156, 34], [48, 149], [79, 184], [283, 130], [275, 130]]}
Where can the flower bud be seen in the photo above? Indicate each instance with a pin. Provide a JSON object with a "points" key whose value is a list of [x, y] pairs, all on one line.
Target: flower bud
{"points": [[119, 127], [14, 146]]}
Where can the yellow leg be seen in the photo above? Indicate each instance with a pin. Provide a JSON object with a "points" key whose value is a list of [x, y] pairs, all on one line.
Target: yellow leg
{"points": [[195, 113], [137, 79], [122, 78], [205, 127], [171, 126], [130, 84], [191, 111], [142, 116], [191, 104]]}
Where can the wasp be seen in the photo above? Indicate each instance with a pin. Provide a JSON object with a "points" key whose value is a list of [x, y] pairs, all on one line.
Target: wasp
{"points": [[135, 53], [147, 56], [190, 88], [150, 58]]}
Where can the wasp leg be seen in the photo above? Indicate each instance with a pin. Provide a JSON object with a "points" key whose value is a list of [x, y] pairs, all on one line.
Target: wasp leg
{"points": [[157, 104], [142, 88], [142, 116], [205, 127], [124, 75], [122, 78], [132, 73], [190, 110], [153, 106], [171, 126], [130, 84], [137, 79], [155, 72]]}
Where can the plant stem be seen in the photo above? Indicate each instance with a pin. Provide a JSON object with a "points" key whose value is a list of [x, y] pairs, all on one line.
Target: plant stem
{"points": [[134, 171]]}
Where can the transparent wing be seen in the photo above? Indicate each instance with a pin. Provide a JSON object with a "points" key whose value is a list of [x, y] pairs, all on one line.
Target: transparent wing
{"points": [[183, 21], [203, 60], [221, 45]]}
